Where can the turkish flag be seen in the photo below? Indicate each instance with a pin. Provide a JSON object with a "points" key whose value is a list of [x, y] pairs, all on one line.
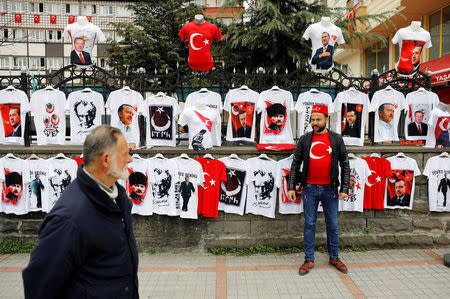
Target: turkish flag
{"points": [[52, 19], [89, 18], [205, 120], [71, 19], [18, 18], [442, 127], [37, 19]]}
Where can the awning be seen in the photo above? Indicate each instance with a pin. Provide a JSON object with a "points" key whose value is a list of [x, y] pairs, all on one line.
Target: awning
{"points": [[439, 68]]}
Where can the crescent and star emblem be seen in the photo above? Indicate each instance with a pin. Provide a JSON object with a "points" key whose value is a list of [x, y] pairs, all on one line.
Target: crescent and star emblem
{"points": [[442, 123], [161, 128], [312, 156], [377, 179], [211, 182], [191, 41], [230, 193]]}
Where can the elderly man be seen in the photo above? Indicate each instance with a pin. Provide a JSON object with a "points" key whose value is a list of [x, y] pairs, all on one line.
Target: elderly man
{"points": [[126, 114], [384, 126], [401, 198], [351, 126], [415, 58], [78, 56], [418, 128], [86, 243], [14, 120]]}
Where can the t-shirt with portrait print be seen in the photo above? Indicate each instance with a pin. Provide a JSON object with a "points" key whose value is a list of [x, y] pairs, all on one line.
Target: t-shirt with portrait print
{"points": [[419, 105], [129, 102], [86, 108], [38, 191], [47, 107], [138, 186], [285, 206], [14, 187], [83, 39], [200, 123], [13, 108], [305, 102], [65, 171], [359, 172], [438, 129], [437, 170]]}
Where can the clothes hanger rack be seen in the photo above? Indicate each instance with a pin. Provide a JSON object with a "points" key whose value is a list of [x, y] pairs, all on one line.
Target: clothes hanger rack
{"points": [[136, 156], [160, 156], [264, 157], [314, 90], [11, 156], [234, 156], [87, 89], [374, 155], [160, 94], [184, 156], [33, 157], [49, 87], [10, 87], [444, 155], [208, 156], [204, 90], [126, 87], [401, 155], [244, 87], [275, 88], [389, 88], [352, 89], [60, 156]]}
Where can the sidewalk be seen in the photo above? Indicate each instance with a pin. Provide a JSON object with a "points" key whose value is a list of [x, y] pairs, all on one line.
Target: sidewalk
{"points": [[397, 273]]}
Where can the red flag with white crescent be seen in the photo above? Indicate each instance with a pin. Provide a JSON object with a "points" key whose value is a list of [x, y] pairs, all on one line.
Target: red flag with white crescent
{"points": [[37, 19], [89, 18], [52, 19], [18, 18], [71, 19]]}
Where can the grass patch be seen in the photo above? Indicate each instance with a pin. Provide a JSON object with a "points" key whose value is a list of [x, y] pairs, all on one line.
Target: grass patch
{"points": [[367, 230], [259, 249], [10, 245], [151, 251], [353, 248]]}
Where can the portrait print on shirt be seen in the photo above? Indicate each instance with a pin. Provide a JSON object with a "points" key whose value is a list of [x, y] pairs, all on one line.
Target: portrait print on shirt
{"points": [[161, 187], [399, 186], [12, 187], [351, 116], [263, 185], [418, 117], [442, 132], [136, 186], [11, 118], [58, 183], [409, 62], [126, 114], [83, 39], [161, 124], [275, 118], [242, 119], [231, 191], [85, 111]]}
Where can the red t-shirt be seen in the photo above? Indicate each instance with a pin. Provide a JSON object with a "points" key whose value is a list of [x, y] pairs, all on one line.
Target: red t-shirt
{"points": [[79, 160], [380, 169], [319, 169], [208, 195], [200, 37]]}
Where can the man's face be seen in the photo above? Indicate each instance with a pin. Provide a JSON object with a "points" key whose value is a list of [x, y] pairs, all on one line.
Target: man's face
{"points": [[318, 121], [399, 188], [415, 59], [387, 115], [82, 113], [120, 158], [351, 117], [243, 119], [15, 189], [79, 44], [126, 116], [14, 117], [418, 117], [277, 119], [186, 179], [37, 177], [325, 38], [138, 189]]}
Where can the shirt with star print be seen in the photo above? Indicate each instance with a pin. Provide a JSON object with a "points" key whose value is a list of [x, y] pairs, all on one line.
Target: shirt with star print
{"points": [[380, 170], [319, 169]]}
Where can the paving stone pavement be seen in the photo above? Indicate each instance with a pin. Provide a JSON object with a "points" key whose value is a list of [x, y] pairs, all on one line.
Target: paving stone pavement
{"points": [[396, 273]]}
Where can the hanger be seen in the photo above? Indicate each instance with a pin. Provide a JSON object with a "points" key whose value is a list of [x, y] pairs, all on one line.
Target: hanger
{"points": [[291, 156], [208, 156], [421, 89], [184, 156], [314, 90], [275, 88], [160, 94], [10, 87], [351, 156], [204, 90], [389, 88], [400, 155], [234, 156], [10, 155], [243, 87], [136, 156], [444, 155], [264, 157], [48, 87], [87, 89], [160, 156], [352, 89], [374, 155], [126, 87], [60, 156], [33, 157]]}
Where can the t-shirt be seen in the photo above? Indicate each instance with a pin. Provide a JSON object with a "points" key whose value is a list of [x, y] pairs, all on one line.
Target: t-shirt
{"points": [[65, 171], [275, 106], [79, 160], [161, 113], [319, 168], [380, 170], [285, 206], [83, 39], [127, 120], [208, 194], [138, 187], [241, 106], [411, 44], [86, 109], [261, 193], [438, 129], [212, 100], [389, 103], [39, 172], [163, 176], [200, 123], [200, 38], [334, 37], [2, 179], [15, 184], [13, 108], [47, 106], [190, 177], [437, 170], [401, 183], [420, 103], [305, 102], [234, 191], [359, 172], [352, 107]]}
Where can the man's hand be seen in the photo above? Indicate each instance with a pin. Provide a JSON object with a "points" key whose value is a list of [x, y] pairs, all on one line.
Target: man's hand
{"points": [[291, 195], [342, 195], [324, 54]]}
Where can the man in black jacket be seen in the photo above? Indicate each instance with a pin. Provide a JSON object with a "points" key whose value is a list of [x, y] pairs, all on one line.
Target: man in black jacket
{"points": [[443, 188], [186, 188], [320, 151], [86, 243]]}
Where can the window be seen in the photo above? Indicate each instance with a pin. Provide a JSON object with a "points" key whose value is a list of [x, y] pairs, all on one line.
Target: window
{"points": [[37, 7], [4, 63], [106, 10], [438, 49], [36, 35], [54, 9], [123, 11], [4, 34], [3, 6], [109, 35], [18, 7], [67, 61], [86, 10], [20, 62], [54, 63], [54, 36], [72, 9], [225, 21], [377, 58], [37, 63], [200, 2], [19, 34]]}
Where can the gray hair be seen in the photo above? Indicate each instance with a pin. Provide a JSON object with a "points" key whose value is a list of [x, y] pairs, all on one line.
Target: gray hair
{"points": [[381, 108], [102, 139]]}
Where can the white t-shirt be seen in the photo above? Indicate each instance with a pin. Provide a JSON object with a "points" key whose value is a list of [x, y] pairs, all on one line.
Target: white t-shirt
{"points": [[187, 206], [438, 129], [241, 105], [385, 131], [15, 186], [47, 106], [2, 179], [65, 171], [285, 206], [86, 109], [352, 107], [138, 187], [305, 102], [10, 102], [234, 192], [161, 113], [335, 37], [423, 101], [409, 40], [212, 100], [163, 175], [359, 172], [261, 192], [129, 124], [201, 124], [436, 170], [275, 106], [401, 184], [38, 189], [91, 34]]}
